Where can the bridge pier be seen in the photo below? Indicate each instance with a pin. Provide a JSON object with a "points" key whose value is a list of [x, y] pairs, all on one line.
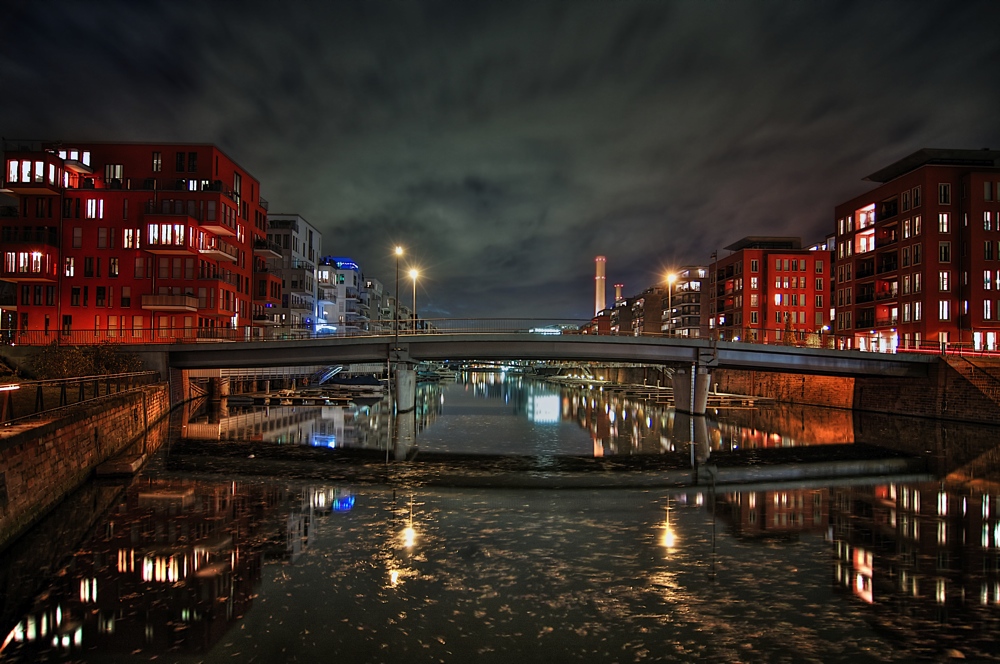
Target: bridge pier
{"points": [[406, 389], [691, 397], [218, 388]]}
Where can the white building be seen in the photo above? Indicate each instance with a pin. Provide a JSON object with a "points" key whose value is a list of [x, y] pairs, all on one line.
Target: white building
{"points": [[300, 244]]}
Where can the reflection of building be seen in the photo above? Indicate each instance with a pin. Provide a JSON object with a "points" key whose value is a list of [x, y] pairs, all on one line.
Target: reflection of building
{"points": [[926, 557], [782, 513], [176, 564]]}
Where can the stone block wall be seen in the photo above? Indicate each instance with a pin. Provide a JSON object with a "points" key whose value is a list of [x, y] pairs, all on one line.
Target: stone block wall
{"points": [[41, 465], [943, 394]]}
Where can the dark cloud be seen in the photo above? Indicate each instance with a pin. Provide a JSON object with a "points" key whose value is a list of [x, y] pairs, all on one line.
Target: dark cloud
{"points": [[505, 144]]}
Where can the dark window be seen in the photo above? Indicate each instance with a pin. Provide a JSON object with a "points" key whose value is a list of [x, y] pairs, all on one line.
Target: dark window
{"points": [[75, 296], [180, 161], [192, 162]]}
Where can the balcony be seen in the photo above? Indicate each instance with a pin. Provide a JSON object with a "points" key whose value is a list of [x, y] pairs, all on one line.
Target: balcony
{"points": [[38, 235], [170, 302], [866, 268], [265, 320], [300, 304], [888, 321], [169, 248], [30, 266], [229, 280], [266, 248], [34, 173], [221, 252], [889, 264]]}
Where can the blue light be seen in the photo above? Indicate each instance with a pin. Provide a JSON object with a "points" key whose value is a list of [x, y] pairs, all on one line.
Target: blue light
{"points": [[343, 504]]}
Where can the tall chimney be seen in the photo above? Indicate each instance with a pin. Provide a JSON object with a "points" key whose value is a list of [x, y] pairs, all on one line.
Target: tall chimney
{"points": [[599, 279], [618, 292]]}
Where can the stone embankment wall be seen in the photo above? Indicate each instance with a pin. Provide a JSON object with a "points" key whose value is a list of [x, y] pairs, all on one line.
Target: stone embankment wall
{"points": [[946, 393], [40, 465]]}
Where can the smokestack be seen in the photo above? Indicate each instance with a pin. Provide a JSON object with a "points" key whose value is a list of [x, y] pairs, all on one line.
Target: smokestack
{"points": [[600, 286], [618, 292]]}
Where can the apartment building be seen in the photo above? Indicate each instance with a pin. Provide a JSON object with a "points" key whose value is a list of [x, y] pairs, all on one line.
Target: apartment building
{"points": [[918, 257], [769, 290], [300, 244], [132, 243], [682, 304], [342, 294]]}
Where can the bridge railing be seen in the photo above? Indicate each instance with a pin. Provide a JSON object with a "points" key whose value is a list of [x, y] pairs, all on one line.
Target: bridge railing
{"points": [[424, 326]]}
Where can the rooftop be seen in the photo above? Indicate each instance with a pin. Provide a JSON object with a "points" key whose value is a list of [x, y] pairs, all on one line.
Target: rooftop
{"points": [[984, 158], [765, 242]]}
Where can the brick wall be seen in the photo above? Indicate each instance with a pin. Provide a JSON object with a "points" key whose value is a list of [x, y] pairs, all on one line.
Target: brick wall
{"points": [[832, 391], [41, 465], [943, 394]]}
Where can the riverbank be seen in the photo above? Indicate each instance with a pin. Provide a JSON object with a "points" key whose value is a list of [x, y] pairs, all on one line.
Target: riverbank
{"points": [[42, 463]]}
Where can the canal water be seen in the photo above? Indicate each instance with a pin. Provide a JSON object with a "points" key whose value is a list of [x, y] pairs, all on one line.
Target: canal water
{"points": [[253, 537]]}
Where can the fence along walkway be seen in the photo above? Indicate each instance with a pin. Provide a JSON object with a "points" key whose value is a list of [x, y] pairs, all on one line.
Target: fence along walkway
{"points": [[20, 401]]}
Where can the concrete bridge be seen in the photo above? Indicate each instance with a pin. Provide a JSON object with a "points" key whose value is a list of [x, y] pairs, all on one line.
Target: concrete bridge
{"points": [[689, 357]]}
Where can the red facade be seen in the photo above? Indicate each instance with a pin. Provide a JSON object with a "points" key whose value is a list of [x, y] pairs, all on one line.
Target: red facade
{"points": [[132, 243], [769, 290], [917, 261]]}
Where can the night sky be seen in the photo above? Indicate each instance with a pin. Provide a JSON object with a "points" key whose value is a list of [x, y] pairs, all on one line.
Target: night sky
{"points": [[505, 144]]}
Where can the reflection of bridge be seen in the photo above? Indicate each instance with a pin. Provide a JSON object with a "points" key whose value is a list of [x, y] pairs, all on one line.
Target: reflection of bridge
{"points": [[691, 357]]}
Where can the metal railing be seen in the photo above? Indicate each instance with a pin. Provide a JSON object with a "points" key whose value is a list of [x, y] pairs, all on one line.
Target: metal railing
{"points": [[386, 329], [30, 396]]}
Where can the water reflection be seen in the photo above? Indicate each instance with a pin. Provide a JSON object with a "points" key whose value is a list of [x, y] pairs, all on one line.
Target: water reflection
{"points": [[490, 413], [900, 570]]}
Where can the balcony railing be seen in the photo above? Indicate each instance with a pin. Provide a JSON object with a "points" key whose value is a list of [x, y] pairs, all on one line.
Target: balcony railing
{"points": [[888, 321], [170, 302]]}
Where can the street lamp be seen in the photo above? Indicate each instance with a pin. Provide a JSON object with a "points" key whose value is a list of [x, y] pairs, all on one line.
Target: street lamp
{"points": [[413, 275], [671, 278], [395, 309]]}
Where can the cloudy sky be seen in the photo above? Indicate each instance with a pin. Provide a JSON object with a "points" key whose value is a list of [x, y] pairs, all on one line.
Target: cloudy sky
{"points": [[505, 144]]}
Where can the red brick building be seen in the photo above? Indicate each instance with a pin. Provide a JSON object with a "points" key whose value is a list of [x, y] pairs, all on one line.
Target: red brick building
{"points": [[768, 288], [918, 257], [133, 243]]}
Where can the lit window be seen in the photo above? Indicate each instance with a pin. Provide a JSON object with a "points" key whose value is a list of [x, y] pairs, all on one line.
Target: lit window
{"points": [[944, 223], [944, 310]]}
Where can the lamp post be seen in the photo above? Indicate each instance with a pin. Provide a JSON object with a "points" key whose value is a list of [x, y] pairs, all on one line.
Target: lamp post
{"points": [[413, 275], [671, 278], [395, 309]]}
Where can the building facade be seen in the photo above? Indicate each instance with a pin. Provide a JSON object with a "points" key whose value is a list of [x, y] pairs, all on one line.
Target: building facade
{"points": [[132, 243], [300, 243], [682, 306], [918, 257], [769, 290], [345, 306]]}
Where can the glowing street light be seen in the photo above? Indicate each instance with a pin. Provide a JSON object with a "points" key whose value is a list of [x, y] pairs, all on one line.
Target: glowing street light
{"points": [[399, 252], [671, 278]]}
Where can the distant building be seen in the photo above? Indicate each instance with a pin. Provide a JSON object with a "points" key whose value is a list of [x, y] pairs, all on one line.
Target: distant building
{"points": [[682, 309], [300, 243], [345, 307], [769, 290], [918, 257]]}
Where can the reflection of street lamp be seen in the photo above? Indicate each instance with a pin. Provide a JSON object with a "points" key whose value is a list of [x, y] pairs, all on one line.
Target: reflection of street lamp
{"points": [[671, 278], [409, 534], [413, 275], [669, 539]]}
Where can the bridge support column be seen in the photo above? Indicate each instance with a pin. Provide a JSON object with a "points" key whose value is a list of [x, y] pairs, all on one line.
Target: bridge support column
{"points": [[406, 389], [691, 396], [218, 388]]}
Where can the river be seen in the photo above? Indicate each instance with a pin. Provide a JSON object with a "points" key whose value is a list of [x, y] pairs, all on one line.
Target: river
{"points": [[253, 536]]}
